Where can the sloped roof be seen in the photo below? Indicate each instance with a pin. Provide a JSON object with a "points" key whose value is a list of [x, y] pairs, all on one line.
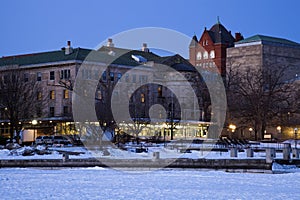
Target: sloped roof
{"points": [[219, 34], [44, 57], [268, 39], [108, 55], [194, 41]]}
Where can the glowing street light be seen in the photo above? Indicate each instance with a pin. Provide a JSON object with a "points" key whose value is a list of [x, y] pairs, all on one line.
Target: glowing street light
{"points": [[232, 127]]}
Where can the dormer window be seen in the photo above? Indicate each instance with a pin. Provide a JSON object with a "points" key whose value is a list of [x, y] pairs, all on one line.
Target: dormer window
{"points": [[199, 56], [212, 54]]}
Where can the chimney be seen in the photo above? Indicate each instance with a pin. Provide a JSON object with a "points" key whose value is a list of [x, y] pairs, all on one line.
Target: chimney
{"points": [[110, 43], [238, 37], [68, 49], [145, 48]]}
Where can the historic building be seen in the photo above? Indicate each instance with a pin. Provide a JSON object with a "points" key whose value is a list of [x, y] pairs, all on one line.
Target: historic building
{"points": [[53, 76], [210, 49], [282, 58]]}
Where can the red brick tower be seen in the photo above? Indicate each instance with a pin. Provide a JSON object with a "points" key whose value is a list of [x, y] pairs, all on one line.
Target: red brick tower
{"points": [[210, 50]]}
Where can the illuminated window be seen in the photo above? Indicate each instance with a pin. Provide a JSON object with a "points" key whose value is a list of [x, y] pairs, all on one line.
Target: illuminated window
{"points": [[212, 54], [66, 94], [159, 91], [99, 94], [39, 96], [199, 56], [205, 55], [52, 94], [142, 98]]}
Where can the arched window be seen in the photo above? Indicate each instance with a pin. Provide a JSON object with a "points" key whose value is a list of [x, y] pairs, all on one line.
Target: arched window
{"points": [[199, 56], [205, 55], [212, 54]]}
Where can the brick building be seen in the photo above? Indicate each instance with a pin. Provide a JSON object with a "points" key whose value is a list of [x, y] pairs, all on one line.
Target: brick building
{"points": [[210, 49]]}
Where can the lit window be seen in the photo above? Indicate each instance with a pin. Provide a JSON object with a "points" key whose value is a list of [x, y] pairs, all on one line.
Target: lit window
{"points": [[52, 94], [66, 94], [159, 91], [52, 75], [39, 76], [39, 96], [142, 98], [212, 54], [199, 56], [205, 55]]}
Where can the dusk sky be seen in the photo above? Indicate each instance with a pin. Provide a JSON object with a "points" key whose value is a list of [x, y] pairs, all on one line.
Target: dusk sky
{"points": [[33, 26]]}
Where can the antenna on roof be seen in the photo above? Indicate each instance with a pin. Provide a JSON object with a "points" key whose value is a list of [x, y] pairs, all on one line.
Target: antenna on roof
{"points": [[218, 19]]}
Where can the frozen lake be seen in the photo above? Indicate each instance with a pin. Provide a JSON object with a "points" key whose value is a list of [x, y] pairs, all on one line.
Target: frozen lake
{"points": [[100, 183]]}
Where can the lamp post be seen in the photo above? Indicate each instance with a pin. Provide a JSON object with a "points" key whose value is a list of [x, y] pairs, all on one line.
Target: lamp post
{"points": [[34, 122], [296, 133], [250, 131], [232, 127]]}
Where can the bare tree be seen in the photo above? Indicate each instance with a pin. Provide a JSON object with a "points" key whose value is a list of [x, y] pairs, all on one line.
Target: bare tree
{"points": [[20, 99], [256, 97]]}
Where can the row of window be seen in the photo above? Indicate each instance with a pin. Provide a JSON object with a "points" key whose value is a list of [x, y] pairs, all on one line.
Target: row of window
{"points": [[204, 55], [206, 65], [66, 95], [64, 74]]}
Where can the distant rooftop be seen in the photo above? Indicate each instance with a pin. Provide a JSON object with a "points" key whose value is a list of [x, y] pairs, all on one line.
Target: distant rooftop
{"points": [[262, 39]]}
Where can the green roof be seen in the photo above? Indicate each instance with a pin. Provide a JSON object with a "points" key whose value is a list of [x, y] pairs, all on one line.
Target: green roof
{"points": [[268, 39], [105, 54]]}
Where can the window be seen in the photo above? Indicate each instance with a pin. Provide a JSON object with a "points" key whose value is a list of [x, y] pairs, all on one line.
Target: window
{"points": [[51, 111], [39, 96], [205, 55], [65, 74], [52, 94], [143, 78], [199, 56], [66, 94], [119, 76], [159, 91], [212, 54], [66, 110], [142, 98], [26, 77], [52, 75], [104, 76], [133, 78], [99, 95], [39, 76], [112, 76]]}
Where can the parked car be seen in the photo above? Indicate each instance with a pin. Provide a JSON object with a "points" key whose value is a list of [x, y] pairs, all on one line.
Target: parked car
{"points": [[61, 140], [45, 139]]}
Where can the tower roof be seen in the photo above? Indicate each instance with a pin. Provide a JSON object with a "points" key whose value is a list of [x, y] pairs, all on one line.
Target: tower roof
{"points": [[194, 41], [219, 34]]}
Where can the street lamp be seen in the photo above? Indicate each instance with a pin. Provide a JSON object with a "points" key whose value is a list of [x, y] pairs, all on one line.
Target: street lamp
{"points": [[250, 131], [34, 122], [232, 127]]}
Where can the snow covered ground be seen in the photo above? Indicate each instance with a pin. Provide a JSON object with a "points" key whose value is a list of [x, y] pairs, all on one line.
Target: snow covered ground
{"points": [[100, 183]]}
